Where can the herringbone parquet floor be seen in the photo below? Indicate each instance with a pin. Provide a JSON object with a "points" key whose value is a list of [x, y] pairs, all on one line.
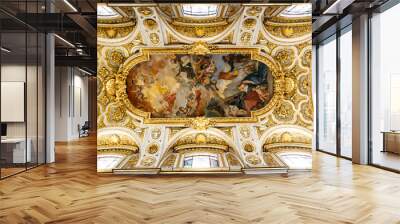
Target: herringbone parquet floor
{"points": [[70, 191]]}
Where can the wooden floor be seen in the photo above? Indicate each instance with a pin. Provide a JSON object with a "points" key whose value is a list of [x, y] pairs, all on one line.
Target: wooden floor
{"points": [[70, 191]]}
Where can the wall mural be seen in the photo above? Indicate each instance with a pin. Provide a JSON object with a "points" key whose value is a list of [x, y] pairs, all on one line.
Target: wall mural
{"points": [[226, 93], [229, 85]]}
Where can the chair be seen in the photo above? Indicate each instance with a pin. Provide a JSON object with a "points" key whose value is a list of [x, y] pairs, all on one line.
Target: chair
{"points": [[84, 130]]}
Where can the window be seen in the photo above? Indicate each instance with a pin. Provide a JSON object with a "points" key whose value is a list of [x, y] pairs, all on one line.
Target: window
{"points": [[201, 161], [297, 161], [385, 89], [105, 11], [199, 9], [327, 96], [108, 162], [346, 73], [298, 10]]}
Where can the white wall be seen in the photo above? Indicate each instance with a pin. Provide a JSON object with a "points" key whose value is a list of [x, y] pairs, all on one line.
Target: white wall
{"points": [[71, 102]]}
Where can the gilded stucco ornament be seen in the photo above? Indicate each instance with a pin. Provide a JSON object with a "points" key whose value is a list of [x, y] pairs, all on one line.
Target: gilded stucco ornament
{"points": [[150, 24], [253, 159], [117, 141], [303, 84], [116, 112], [115, 58], [200, 48], [245, 38], [297, 99], [284, 111], [290, 87], [249, 23], [244, 132], [154, 38], [148, 161], [306, 58], [285, 57], [155, 133], [248, 147], [307, 110], [103, 99], [110, 87], [115, 31], [226, 130], [103, 72], [169, 161], [271, 160], [153, 149], [200, 123], [254, 10], [131, 162], [288, 30], [146, 11]]}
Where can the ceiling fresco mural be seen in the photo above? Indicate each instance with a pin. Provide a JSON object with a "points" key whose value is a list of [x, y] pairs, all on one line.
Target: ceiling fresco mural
{"points": [[192, 88], [229, 85]]}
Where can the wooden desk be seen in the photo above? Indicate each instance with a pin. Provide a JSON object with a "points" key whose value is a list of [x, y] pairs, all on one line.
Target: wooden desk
{"points": [[16, 147], [391, 141]]}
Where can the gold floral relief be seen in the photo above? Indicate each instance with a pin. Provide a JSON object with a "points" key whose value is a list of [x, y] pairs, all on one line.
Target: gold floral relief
{"points": [[288, 31], [284, 111], [253, 159], [248, 147], [254, 10], [150, 24], [145, 11], [244, 132], [148, 161], [154, 38], [285, 57], [246, 37], [115, 58], [153, 149], [249, 23]]}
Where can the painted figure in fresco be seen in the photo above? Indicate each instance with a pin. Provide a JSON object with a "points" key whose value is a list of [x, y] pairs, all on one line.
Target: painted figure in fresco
{"points": [[193, 85]]}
